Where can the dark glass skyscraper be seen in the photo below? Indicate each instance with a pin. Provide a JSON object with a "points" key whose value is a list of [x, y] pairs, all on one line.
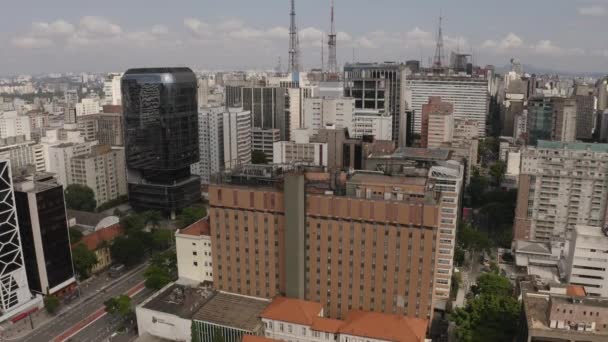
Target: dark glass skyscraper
{"points": [[161, 138]]}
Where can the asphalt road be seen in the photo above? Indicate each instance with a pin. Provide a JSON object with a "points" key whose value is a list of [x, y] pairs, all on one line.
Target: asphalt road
{"points": [[103, 328], [66, 320]]}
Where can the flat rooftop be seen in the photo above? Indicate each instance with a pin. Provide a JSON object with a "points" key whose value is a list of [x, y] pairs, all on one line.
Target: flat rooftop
{"points": [[384, 179], [179, 300], [233, 311], [430, 154]]}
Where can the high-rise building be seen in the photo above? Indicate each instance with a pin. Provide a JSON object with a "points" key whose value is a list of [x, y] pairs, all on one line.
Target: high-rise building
{"points": [[45, 237], [193, 249], [372, 123], [15, 294], [22, 153], [585, 112], [267, 107], [437, 123], [112, 89], [60, 157], [12, 124], [376, 242], [560, 185], [237, 137], [263, 140], [295, 100], [69, 111], [103, 170], [105, 128], [320, 112], [469, 95], [564, 119], [161, 138], [551, 118], [211, 143], [300, 151], [87, 107], [587, 259], [378, 87], [602, 94]]}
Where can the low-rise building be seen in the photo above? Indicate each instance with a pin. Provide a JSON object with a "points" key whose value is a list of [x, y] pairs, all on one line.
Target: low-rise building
{"points": [[588, 259], [287, 319], [99, 242], [263, 140], [193, 248], [300, 151], [374, 123]]}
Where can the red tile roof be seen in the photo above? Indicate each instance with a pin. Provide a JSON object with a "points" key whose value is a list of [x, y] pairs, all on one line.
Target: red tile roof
{"points": [[576, 291], [326, 324], [292, 310], [198, 228], [387, 327], [252, 338], [93, 240]]}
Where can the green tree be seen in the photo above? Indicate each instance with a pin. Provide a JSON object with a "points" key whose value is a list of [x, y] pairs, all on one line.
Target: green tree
{"points": [[477, 188], [133, 223], [497, 172], [258, 157], [120, 306], [493, 283], [190, 215], [459, 256], [75, 235], [83, 259], [80, 197], [156, 277], [472, 239], [51, 304], [487, 318], [153, 218], [126, 250], [161, 238]]}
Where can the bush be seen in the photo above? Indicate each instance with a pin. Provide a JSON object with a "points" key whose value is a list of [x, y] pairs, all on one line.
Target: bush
{"points": [[51, 304]]}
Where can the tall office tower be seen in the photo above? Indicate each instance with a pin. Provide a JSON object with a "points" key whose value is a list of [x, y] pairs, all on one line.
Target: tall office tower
{"points": [[43, 226], [564, 119], [379, 87], [332, 62], [111, 89], [14, 292], [69, 111], [294, 44], [211, 143], [320, 112], [469, 95], [437, 123], [294, 104], [161, 138], [267, 107], [372, 123], [602, 94], [237, 137], [12, 124], [105, 128], [540, 119], [263, 140], [587, 259], [585, 112], [103, 170], [203, 92], [22, 153], [560, 185], [233, 96], [380, 246]]}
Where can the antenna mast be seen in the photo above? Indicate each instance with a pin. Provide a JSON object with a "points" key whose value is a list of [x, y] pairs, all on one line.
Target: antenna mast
{"points": [[332, 63], [294, 58], [438, 61]]}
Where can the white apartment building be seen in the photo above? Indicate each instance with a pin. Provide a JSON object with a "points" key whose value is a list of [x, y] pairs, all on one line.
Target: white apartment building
{"points": [[440, 129], [319, 112], [468, 95], [263, 140], [296, 320], [60, 159], [448, 180], [193, 248], [588, 259], [103, 170], [561, 185], [88, 107], [12, 124], [237, 137], [372, 122], [22, 153], [296, 98], [211, 143], [111, 89], [300, 151]]}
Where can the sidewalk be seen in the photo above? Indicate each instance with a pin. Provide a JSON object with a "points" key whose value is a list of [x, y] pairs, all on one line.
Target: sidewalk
{"points": [[88, 289]]}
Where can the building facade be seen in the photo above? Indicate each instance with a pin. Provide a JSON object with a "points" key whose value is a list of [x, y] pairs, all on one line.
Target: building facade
{"points": [[320, 112], [103, 170], [237, 137], [105, 128], [22, 153], [211, 143], [437, 123], [587, 260], [112, 89], [263, 140], [193, 247], [267, 107], [561, 185], [45, 237], [161, 138], [300, 151], [372, 123]]}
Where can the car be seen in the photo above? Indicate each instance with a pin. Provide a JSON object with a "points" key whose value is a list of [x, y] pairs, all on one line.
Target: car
{"points": [[116, 270]]}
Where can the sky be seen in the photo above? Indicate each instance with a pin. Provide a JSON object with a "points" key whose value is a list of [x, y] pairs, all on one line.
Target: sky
{"points": [[43, 36]]}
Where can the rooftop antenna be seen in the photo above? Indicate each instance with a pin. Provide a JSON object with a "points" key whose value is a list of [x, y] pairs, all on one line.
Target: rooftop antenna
{"points": [[438, 61], [322, 54], [294, 49], [332, 63]]}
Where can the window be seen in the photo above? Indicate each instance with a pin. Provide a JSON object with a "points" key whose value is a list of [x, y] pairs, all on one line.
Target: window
{"points": [[194, 253], [303, 331], [195, 263], [289, 330], [281, 327]]}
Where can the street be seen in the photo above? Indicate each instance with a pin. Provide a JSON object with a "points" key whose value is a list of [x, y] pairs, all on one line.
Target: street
{"points": [[80, 310], [102, 329]]}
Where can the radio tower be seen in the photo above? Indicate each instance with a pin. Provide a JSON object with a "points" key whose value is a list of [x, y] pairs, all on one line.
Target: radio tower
{"points": [[294, 58], [438, 60], [332, 63]]}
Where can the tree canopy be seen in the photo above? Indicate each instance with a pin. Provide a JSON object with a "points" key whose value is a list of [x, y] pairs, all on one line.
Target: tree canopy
{"points": [[133, 223], [120, 306], [80, 197], [51, 304], [75, 235], [497, 172], [156, 277], [258, 157], [83, 259], [127, 250], [190, 215]]}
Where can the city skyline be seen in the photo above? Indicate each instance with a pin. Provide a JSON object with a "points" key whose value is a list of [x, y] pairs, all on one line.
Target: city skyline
{"points": [[213, 35]]}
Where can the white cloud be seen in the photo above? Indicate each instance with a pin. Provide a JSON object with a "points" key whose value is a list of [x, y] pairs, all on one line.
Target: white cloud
{"points": [[159, 30], [511, 41], [344, 37], [311, 34], [278, 32], [593, 11], [56, 28], [32, 42], [231, 25], [93, 25], [365, 43], [546, 47], [489, 44], [197, 27]]}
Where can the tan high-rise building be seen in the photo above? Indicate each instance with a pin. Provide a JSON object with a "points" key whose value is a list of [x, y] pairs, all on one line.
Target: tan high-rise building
{"points": [[379, 246], [437, 123]]}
